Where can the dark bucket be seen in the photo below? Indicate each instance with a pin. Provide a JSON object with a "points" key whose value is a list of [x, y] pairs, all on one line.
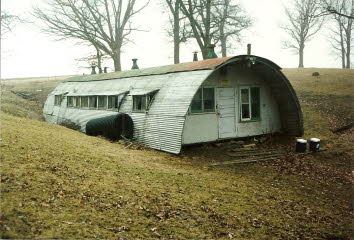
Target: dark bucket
{"points": [[315, 144], [301, 145]]}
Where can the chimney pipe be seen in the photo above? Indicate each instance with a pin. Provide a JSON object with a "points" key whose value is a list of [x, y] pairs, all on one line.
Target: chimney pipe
{"points": [[93, 69], [211, 52], [135, 65], [105, 69], [195, 56], [249, 49]]}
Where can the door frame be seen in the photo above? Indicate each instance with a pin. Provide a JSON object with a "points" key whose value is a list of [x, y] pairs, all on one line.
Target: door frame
{"points": [[235, 110]]}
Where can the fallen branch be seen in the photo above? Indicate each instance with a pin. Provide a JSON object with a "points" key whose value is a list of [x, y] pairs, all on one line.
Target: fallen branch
{"points": [[342, 129]]}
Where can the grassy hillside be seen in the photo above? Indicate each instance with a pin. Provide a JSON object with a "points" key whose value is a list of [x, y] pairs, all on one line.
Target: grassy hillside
{"points": [[60, 183]]}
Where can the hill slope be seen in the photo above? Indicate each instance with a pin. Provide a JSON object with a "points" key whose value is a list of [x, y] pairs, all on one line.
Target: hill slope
{"points": [[60, 183]]}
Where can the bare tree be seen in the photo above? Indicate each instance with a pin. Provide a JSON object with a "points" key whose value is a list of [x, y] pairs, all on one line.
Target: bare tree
{"points": [[342, 34], [231, 21], [178, 28], [105, 24], [331, 7], [212, 21], [95, 59], [199, 15], [303, 23], [8, 21]]}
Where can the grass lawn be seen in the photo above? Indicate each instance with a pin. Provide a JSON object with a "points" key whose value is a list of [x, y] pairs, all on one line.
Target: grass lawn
{"points": [[60, 183]]}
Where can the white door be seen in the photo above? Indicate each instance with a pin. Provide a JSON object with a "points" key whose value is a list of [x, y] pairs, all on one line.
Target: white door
{"points": [[226, 112]]}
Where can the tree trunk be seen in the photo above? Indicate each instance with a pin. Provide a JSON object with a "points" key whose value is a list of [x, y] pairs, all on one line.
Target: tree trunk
{"points": [[176, 33], [342, 47], [301, 55], [223, 42], [116, 60], [348, 41], [204, 51], [99, 60]]}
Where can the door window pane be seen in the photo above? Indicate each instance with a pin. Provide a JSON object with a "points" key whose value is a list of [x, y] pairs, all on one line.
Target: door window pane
{"points": [[209, 99], [196, 106]]}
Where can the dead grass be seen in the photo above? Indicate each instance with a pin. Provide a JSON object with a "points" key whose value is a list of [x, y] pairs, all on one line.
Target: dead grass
{"points": [[60, 183]]}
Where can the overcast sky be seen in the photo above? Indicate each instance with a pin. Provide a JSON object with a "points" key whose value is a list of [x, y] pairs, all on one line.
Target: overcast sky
{"points": [[26, 52]]}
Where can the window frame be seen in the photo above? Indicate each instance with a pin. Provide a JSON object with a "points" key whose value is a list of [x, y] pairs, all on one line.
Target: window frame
{"points": [[249, 89], [56, 101], [96, 107], [70, 102], [88, 105], [116, 102], [105, 101], [149, 98], [202, 102]]}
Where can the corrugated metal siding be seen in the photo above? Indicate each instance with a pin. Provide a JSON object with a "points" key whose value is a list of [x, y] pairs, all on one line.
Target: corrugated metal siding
{"points": [[161, 128]]}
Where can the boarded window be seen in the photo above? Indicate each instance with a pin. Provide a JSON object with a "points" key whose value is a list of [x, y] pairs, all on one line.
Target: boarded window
{"points": [[102, 102], [112, 102], [250, 104], [84, 102], [57, 100], [203, 101], [93, 101], [70, 102]]}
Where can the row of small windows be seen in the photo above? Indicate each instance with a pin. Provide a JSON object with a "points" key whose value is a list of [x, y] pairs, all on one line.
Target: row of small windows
{"points": [[91, 102], [141, 103]]}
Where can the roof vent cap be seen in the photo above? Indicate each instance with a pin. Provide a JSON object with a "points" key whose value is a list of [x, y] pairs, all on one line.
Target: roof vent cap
{"points": [[135, 64], [211, 52]]}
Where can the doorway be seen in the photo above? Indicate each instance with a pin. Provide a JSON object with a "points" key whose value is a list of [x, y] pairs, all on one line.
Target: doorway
{"points": [[226, 112]]}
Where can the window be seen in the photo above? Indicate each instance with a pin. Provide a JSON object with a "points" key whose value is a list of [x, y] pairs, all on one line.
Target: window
{"points": [[57, 100], [76, 102], [102, 102], [70, 102], [209, 99], [142, 102], [92, 101], [139, 103], [84, 102], [197, 106], [203, 101], [112, 102], [250, 104]]}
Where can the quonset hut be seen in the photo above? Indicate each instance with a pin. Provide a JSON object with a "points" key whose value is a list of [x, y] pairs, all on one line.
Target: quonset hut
{"points": [[175, 105]]}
